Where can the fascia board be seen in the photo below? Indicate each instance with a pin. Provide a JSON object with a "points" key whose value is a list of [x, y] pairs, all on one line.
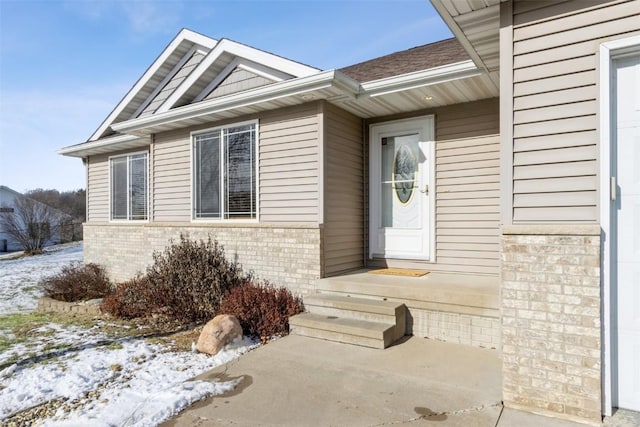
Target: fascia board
{"points": [[197, 38], [268, 59], [458, 33], [279, 90], [183, 35], [432, 76], [79, 150], [237, 49]]}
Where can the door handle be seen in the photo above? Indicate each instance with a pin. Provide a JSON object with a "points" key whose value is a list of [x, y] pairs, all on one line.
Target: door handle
{"points": [[426, 189]]}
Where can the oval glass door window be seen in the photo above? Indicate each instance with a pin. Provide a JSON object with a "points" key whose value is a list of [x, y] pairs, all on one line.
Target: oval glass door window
{"points": [[405, 167]]}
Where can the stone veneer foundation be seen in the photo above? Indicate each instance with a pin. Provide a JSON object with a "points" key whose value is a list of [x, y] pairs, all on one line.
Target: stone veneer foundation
{"points": [[467, 329], [286, 255], [550, 302]]}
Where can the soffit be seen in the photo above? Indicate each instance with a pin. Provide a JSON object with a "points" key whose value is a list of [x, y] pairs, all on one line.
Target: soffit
{"points": [[476, 24], [454, 91], [356, 99]]}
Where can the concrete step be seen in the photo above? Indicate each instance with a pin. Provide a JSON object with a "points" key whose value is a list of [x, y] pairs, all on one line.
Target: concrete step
{"points": [[346, 330], [360, 321], [356, 308]]}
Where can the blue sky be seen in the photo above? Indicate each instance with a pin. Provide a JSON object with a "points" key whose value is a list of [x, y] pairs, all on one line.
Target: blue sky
{"points": [[64, 65]]}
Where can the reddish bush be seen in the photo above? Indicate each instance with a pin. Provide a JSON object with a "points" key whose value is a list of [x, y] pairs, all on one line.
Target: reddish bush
{"points": [[133, 299], [263, 310], [77, 282]]}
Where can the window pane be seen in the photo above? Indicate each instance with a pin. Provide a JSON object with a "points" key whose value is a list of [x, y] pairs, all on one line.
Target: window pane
{"points": [[119, 188], [138, 187], [207, 179], [239, 172]]}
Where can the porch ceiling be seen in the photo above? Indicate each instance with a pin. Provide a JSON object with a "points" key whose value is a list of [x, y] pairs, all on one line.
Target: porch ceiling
{"points": [[450, 92]]}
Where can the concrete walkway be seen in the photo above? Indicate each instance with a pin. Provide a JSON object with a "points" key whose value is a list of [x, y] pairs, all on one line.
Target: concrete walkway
{"points": [[298, 381]]}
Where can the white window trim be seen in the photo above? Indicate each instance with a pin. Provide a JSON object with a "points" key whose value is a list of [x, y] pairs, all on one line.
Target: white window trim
{"points": [[124, 221], [608, 52], [256, 171]]}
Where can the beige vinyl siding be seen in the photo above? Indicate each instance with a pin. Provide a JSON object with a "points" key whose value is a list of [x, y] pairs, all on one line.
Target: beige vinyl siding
{"points": [[237, 81], [289, 165], [98, 188], [171, 164], [555, 90], [343, 191], [468, 188]]}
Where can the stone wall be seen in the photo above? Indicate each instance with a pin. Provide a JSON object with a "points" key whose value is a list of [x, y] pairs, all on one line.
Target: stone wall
{"points": [[48, 305], [550, 302], [286, 255]]}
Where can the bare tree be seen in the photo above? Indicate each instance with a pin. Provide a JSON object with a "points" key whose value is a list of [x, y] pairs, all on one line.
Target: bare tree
{"points": [[31, 223]]}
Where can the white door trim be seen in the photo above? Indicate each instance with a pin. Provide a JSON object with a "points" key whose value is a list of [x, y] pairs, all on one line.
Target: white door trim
{"points": [[427, 125], [608, 52]]}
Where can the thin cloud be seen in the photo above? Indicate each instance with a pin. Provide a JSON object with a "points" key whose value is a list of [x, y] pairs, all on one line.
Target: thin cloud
{"points": [[141, 17], [152, 17]]}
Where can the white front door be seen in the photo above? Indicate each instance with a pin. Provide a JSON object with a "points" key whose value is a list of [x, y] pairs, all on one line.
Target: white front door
{"points": [[626, 220], [400, 189]]}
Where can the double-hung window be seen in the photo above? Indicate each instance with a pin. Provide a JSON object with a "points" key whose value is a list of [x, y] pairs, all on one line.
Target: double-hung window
{"points": [[129, 187], [225, 173]]}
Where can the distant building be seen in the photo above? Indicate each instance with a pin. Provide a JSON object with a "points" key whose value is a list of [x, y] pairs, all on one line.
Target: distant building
{"points": [[7, 205]]}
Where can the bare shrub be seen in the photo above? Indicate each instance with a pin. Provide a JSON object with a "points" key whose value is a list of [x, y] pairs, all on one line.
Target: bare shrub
{"points": [[262, 309], [77, 282], [185, 283]]}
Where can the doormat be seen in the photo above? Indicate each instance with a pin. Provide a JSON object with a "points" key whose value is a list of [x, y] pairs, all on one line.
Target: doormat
{"points": [[400, 272]]}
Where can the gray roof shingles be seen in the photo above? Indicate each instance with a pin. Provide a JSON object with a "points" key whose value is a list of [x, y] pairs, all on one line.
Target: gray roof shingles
{"points": [[418, 58]]}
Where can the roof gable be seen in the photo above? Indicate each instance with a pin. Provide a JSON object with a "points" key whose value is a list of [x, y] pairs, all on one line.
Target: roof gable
{"points": [[168, 63], [192, 68], [222, 60]]}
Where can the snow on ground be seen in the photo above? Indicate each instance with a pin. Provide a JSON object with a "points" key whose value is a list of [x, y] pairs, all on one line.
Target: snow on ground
{"points": [[105, 381], [19, 277], [137, 383]]}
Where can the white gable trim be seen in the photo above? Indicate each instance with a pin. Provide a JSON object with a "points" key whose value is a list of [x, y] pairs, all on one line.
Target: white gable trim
{"points": [[227, 46], [166, 80], [245, 64], [183, 35]]}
